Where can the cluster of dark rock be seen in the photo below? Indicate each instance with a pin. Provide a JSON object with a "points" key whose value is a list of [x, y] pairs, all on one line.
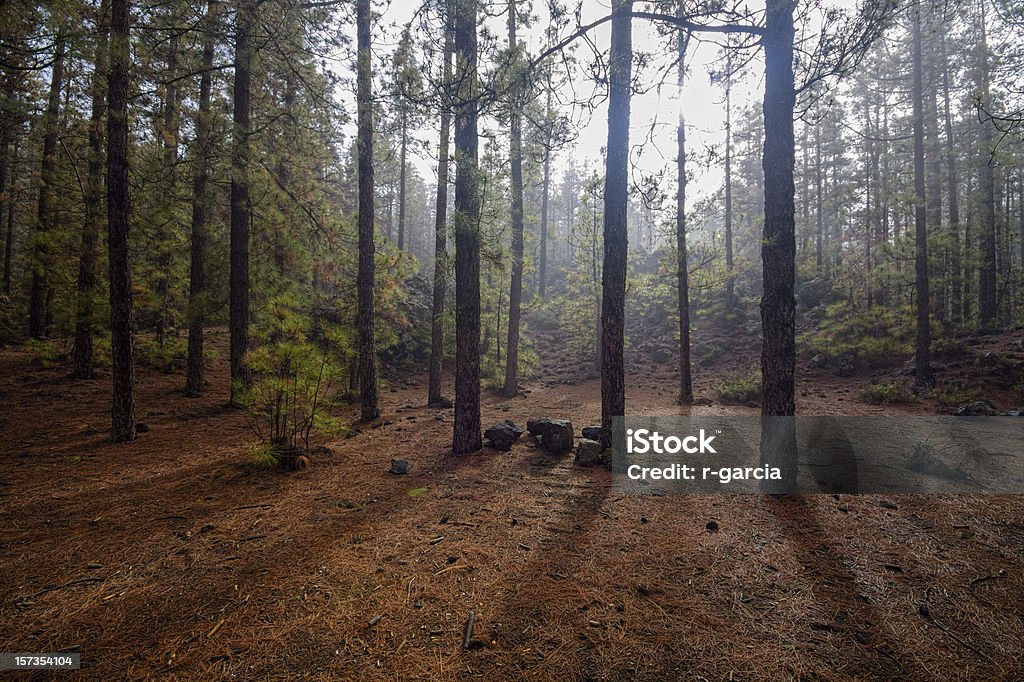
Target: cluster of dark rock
{"points": [[555, 436]]}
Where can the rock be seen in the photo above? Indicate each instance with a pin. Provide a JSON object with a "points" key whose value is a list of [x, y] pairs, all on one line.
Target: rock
{"points": [[441, 403], [142, 427], [661, 355], [503, 435], [588, 452], [554, 435], [978, 408], [813, 292], [702, 402], [399, 467], [846, 364], [592, 433], [1015, 412]]}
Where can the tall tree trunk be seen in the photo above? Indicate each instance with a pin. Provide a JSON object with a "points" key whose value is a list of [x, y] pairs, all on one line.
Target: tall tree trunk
{"points": [[238, 298], [466, 435], [6, 197], [515, 296], [401, 179], [122, 366], [922, 371], [201, 203], [12, 163], [165, 217], [682, 274], [730, 282], [987, 269], [819, 227], [441, 224], [616, 202], [542, 276], [369, 408], [83, 350], [952, 182], [40, 292], [778, 246]]}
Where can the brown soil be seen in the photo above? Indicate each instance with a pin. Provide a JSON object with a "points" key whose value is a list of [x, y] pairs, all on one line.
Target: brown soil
{"points": [[172, 557]]}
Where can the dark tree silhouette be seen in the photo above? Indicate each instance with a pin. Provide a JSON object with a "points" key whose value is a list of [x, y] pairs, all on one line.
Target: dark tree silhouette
{"points": [[122, 361], [369, 408]]}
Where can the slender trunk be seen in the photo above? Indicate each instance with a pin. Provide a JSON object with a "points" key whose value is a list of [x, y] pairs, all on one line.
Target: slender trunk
{"points": [[682, 274], [369, 408], [238, 316], [39, 296], [819, 228], [401, 180], [922, 371], [515, 295], [778, 246], [730, 282], [466, 435], [6, 198], [987, 271], [11, 194], [201, 204], [165, 217], [955, 276], [83, 350], [545, 191], [616, 202], [122, 366], [441, 225]]}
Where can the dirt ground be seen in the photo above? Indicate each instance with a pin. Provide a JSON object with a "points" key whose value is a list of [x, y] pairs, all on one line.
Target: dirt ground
{"points": [[173, 558]]}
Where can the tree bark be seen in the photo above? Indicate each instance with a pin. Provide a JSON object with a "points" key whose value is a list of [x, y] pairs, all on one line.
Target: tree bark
{"points": [[12, 162], [201, 202], [165, 218], [778, 247], [441, 225], [84, 312], [616, 199], [730, 282], [682, 273], [987, 269], [401, 179], [515, 296], [40, 292], [466, 437], [952, 180], [122, 368], [238, 298], [922, 371], [369, 408]]}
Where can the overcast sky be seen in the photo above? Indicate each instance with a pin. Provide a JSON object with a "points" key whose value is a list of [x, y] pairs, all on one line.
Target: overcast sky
{"points": [[654, 114]]}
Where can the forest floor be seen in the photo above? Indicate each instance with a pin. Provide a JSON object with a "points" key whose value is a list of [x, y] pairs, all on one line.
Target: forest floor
{"points": [[174, 557]]}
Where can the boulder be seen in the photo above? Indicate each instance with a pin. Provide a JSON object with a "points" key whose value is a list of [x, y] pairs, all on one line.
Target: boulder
{"points": [[399, 467], [814, 292], [554, 435], [592, 433], [588, 452], [978, 408], [1015, 412], [503, 435]]}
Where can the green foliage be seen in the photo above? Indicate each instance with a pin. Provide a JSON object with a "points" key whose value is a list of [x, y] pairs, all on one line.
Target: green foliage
{"points": [[169, 357], [46, 354], [871, 339], [740, 388], [954, 395], [887, 393], [294, 370]]}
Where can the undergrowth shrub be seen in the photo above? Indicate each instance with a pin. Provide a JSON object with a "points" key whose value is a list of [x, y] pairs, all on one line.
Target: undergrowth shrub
{"points": [[295, 367], [886, 393], [740, 388]]}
